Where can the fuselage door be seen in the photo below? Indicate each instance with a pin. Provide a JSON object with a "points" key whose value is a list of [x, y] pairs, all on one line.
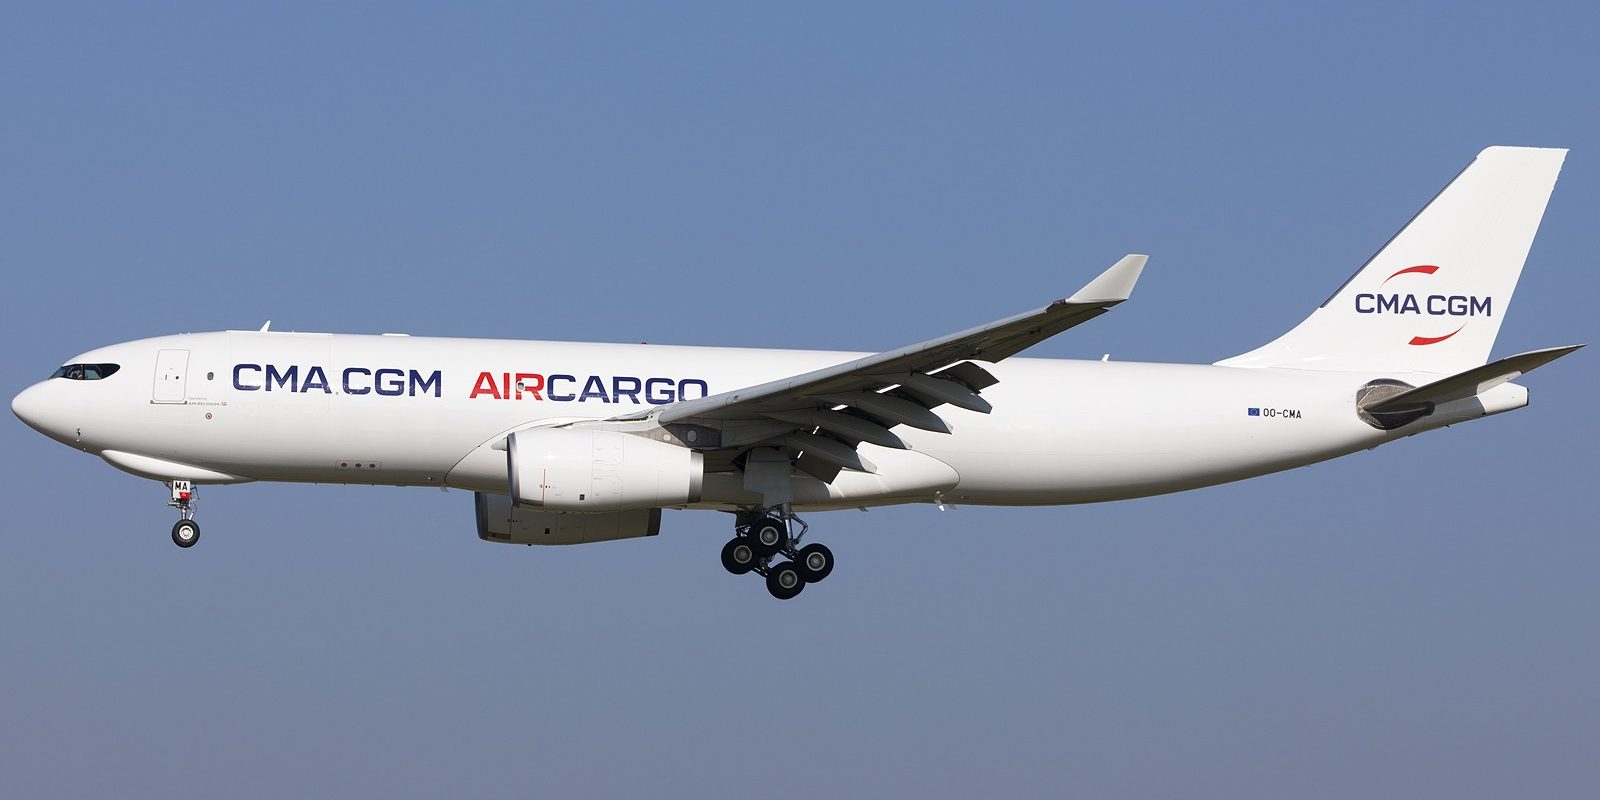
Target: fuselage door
{"points": [[172, 375]]}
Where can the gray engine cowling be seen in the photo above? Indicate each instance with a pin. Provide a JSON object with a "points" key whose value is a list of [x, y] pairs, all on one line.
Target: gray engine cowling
{"points": [[501, 521], [578, 469]]}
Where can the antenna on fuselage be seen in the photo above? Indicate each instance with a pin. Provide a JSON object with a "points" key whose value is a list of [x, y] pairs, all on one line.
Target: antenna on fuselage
{"points": [[265, 326]]}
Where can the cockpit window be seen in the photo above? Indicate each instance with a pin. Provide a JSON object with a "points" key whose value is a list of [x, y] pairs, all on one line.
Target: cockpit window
{"points": [[86, 372]]}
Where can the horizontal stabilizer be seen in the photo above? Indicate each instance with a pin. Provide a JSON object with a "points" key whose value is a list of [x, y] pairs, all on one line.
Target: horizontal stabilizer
{"points": [[1471, 383]]}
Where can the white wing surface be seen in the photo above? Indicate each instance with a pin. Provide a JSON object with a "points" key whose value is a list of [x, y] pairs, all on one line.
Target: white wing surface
{"points": [[821, 416]]}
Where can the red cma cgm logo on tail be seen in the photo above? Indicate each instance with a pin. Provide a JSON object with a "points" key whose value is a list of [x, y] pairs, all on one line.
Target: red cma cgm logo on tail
{"points": [[1433, 305]]}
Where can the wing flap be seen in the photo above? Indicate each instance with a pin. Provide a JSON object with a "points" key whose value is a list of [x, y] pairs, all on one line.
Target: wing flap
{"points": [[969, 375], [937, 391], [843, 425], [890, 409], [829, 450]]}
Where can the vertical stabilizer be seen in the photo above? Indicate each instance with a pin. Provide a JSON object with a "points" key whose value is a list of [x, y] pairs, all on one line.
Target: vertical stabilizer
{"points": [[1433, 297]]}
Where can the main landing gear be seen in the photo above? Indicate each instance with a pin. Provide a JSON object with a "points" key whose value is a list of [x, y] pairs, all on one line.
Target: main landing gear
{"points": [[186, 532], [768, 534]]}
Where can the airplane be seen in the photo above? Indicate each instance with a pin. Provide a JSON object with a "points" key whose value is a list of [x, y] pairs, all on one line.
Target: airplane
{"points": [[567, 443]]}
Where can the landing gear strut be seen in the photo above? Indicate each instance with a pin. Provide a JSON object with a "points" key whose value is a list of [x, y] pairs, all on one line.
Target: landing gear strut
{"points": [[186, 532], [766, 534]]}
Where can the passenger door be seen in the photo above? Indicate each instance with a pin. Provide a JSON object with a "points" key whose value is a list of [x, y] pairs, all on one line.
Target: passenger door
{"points": [[172, 377]]}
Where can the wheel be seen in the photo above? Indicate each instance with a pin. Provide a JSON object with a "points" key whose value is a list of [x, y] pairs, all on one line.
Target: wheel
{"points": [[816, 562], [769, 536], [784, 580], [738, 556], [186, 533]]}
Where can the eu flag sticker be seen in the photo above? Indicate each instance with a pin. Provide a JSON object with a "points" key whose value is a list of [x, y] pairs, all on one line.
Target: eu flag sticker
{"points": [[1255, 412]]}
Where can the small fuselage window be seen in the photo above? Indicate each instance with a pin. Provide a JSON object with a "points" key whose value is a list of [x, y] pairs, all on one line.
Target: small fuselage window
{"points": [[86, 372]]}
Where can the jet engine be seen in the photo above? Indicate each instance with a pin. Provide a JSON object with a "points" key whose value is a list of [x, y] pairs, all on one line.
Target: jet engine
{"points": [[574, 469], [500, 521]]}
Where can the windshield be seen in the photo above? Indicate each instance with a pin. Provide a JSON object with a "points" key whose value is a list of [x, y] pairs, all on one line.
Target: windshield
{"points": [[86, 372]]}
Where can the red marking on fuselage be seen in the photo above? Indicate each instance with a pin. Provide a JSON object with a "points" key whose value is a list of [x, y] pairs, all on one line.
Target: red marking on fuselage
{"points": [[485, 385], [530, 382]]}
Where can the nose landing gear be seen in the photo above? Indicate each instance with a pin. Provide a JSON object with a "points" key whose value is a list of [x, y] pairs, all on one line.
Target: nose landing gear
{"points": [[769, 535], [186, 531]]}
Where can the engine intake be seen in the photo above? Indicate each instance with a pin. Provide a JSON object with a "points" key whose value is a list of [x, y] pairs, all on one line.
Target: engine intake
{"points": [[566, 469]]}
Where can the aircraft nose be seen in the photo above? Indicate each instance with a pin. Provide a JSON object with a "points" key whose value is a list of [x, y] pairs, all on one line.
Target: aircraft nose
{"points": [[29, 406]]}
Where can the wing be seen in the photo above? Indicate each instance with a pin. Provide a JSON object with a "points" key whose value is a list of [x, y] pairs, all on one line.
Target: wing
{"points": [[821, 416]]}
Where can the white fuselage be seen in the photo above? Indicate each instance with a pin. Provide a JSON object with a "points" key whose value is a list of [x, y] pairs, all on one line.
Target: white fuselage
{"points": [[416, 411]]}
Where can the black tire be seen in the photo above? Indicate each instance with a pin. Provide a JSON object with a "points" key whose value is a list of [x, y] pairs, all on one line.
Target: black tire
{"points": [[815, 561], [784, 580], [738, 556], [769, 536], [185, 533]]}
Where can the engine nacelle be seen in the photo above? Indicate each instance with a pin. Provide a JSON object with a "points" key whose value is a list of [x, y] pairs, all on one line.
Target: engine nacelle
{"points": [[567, 469], [500, 521]]}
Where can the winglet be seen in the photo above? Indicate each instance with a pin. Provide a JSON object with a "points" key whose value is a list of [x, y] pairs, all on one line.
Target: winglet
{"points": [[1115, 284]]}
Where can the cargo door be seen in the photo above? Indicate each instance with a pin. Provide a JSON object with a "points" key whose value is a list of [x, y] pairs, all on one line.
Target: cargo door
{"points": [[172, 377]]}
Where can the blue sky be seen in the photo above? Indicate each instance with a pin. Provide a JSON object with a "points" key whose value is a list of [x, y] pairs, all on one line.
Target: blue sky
{"points": [[1412, 621]]}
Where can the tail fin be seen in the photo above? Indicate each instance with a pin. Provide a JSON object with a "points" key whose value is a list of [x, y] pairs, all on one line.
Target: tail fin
{"points": [[1432, 299]]}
